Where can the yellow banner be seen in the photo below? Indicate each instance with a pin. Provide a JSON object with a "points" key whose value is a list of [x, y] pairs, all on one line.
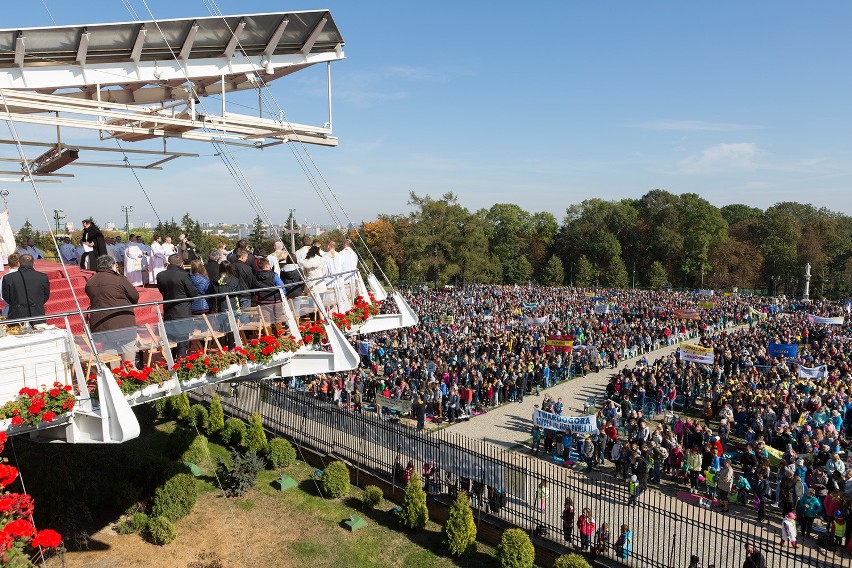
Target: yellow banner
{"points": [[706, 305], [696, 353]]}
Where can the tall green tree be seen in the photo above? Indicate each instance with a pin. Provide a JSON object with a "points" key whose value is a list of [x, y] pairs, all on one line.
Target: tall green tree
{"points": [[520, 272], [657, 276], [585, 273], [554, 272], [616, 273], [258, 238], [391, 270]]}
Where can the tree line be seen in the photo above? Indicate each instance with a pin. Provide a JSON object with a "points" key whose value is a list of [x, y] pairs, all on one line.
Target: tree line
{"points": [[658, 240]]}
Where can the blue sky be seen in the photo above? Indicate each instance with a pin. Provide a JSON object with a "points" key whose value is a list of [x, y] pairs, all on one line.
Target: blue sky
{"points": [[542, 105]]}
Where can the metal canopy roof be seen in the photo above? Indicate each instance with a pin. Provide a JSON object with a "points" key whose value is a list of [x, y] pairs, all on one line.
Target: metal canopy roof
{"points": [[191, 38]]}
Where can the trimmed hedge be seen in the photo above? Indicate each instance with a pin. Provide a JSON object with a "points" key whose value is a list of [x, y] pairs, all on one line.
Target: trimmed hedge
{"points": [[372, 497], [134, 524], [198, 417], [413, 512], [572, 560], [215, 417], [234, 432], [197, 451], [459, 531], [161, 530], [280, 453], [180, 406], [175, 498], [335, 480], [255, 439], [515, 549]]}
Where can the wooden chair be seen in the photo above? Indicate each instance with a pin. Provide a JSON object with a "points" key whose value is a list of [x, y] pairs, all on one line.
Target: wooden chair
{"points": [[87, 356], [206, 334], [151, 343], [254, 324]]}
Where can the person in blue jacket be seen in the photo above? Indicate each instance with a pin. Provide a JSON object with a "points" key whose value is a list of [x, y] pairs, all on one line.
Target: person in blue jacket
{"points": [[622, 545], [811, 508]]}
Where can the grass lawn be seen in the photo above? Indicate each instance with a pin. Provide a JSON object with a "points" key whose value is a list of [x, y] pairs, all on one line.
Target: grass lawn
{"points": [[267, 527]]}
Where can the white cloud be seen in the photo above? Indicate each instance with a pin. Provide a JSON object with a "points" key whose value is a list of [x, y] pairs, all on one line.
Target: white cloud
{"points": [[695, 126], [722, 158]]}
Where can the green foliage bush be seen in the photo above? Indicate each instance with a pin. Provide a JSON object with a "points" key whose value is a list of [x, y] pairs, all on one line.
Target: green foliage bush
{"points": [[335, 480], [197, 451], [215, 417], [372, 497], [198, 417], [175, 498], [136, 523], [280, 453], [161, 530], [180, 407], [459, 531], [255, 435], [242, 475], [413, 512], [179, 440], [234, 432], [572, 560], [163, 406], [515, 549]]}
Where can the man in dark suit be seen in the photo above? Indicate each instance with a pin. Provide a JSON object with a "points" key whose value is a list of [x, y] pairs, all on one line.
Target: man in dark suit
{"points": [[94, 238], [175, 284], [245, 274], [26, 291]]}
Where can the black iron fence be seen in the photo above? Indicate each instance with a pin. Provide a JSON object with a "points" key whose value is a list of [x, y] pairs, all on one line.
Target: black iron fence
{"points": [[666, 528]]}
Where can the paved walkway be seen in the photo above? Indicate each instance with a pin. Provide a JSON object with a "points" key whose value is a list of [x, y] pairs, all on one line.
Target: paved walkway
{"points": [[510, 424]]}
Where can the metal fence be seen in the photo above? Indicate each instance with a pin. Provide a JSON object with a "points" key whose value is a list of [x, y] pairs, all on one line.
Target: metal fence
{"points": [[502, 483]]}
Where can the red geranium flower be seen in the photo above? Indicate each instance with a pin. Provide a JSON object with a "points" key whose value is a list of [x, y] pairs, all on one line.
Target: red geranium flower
{"points": [[8, 474], [17, 420], [251, 357], [54, 392], [214, 370], [68, 404], [48, 416], [47, 538], [254, 342], [68, 388], [20, 528], [189, 366]]}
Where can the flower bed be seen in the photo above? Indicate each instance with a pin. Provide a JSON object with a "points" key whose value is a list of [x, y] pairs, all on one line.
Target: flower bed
{"points": [[130, 379], [360, 312], [20, 544], [313, 334], [257, 351], [32, 407]]}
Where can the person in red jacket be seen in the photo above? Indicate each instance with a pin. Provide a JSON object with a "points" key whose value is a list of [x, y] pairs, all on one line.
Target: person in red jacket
{"points": [[586, 526]]}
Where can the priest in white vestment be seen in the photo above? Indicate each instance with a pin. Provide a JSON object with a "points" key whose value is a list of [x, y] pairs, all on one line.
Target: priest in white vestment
{"points": [[158, 259], [134, 260]]}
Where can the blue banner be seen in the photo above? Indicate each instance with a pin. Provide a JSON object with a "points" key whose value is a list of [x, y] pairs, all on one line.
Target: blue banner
{"points": [[783, 350], [530, 305]]}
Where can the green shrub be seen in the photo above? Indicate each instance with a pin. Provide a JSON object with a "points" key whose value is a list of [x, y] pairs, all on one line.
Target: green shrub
{"points": [[459, 531], [255, 435], [234, 432], [372, 497], [180, 407], [175, 498], [215, 417], [335, 480], [172, 469], [515, 549], [161, 530], [197, 451], [280, 453], [242, 475], [163, 406], [413, 512], [198, 417], [134, 524], [179, 440], [572, 560]]}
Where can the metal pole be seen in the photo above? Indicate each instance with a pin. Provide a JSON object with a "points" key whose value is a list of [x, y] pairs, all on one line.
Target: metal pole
{"points": [[328, 81], [127, 209]]}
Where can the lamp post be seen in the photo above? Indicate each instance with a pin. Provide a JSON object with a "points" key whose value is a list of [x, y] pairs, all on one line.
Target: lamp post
{"points": [[57, 217], [126, 209]]}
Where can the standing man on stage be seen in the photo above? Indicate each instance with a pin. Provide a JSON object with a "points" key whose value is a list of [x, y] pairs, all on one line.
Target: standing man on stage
{"points": [[93, 243], [25, 291], [174, 283]]}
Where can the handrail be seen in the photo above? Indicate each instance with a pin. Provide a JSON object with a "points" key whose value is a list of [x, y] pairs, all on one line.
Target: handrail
{"points": [[175, 301]]}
